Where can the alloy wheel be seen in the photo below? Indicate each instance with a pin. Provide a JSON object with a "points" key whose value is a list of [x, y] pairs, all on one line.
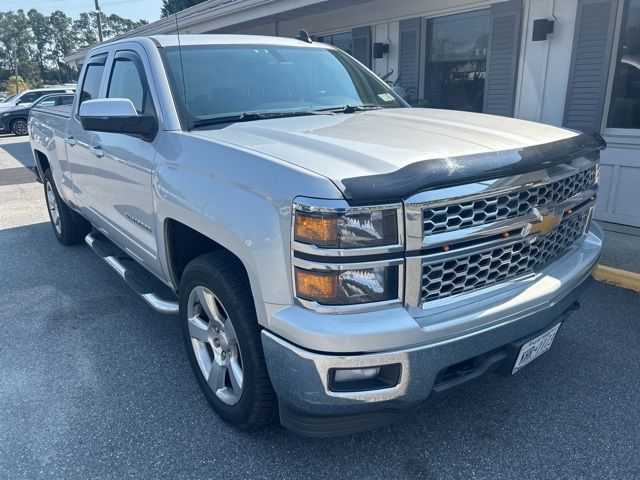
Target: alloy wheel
{"points": [[52, 204], [215, 344], [20, 127]]}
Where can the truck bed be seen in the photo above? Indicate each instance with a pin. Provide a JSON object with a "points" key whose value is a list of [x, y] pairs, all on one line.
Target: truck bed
{"points": [[60, 110]]}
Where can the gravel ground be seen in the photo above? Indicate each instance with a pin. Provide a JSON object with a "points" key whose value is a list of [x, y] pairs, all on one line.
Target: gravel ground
{"points": [[94, 384]]}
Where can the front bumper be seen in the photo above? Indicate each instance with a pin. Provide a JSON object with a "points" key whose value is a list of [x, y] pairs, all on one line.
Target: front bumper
{"points": [[488, 333]]}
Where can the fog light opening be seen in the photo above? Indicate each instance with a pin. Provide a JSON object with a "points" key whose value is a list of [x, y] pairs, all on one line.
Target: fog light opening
{"points": [[363, 379], [350, 375]]}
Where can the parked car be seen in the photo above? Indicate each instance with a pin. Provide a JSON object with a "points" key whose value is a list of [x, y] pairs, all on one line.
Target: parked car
{"points": [[14, 120], [335, 256], [27, 97]]}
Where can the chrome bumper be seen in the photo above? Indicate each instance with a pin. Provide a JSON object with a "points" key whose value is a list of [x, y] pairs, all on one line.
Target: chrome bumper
{"points": [[423, 345]]}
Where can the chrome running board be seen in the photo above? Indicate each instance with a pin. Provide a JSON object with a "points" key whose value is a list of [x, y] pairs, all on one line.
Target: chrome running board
{"points": [[140, 286]]}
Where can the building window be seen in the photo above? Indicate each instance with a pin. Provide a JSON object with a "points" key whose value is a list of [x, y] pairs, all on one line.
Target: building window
{"points": [[457, 61], [344, 41], [624, 110]]}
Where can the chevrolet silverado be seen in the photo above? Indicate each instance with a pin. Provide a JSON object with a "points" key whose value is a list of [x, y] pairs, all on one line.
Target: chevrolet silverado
{"points": [[335, 257]]}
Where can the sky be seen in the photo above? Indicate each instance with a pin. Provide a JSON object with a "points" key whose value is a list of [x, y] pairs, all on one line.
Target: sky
{"points": [[132, 9]]}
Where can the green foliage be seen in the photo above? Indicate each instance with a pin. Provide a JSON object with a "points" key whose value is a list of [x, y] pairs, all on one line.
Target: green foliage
{"points": [[38, 43], [169, 7]]}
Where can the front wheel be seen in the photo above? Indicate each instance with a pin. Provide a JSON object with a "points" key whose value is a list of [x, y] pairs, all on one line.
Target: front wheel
{"points": [[222, 337], [19, 127], [68, 228]]}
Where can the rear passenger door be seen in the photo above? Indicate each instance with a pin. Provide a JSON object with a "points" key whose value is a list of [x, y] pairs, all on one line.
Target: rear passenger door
{"points": [[123, 182], [79, 155]]}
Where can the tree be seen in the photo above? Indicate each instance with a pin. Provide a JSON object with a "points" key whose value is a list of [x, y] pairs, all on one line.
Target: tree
{"points": [[10, 85], [85, 30], [42, 31], [62, 43], [38, 43], [114, 25], [16, 46], [169, 7]]}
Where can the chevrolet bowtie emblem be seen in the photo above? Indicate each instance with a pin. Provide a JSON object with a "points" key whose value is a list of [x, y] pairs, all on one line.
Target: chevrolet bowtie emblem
{"points": [[545, 224]]}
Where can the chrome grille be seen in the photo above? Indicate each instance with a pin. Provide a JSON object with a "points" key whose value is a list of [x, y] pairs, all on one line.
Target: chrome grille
{"points": [[490, 209], [443, 278]]}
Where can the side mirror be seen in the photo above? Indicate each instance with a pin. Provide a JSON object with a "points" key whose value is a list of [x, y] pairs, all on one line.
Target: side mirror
{"points": [[116, 115]]}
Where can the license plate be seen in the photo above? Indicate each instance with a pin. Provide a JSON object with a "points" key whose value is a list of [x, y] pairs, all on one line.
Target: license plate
{"points": [[536, 347]]}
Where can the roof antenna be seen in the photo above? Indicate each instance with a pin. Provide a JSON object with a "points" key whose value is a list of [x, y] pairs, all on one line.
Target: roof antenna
{"points": [[184, 83], [304, 36]]}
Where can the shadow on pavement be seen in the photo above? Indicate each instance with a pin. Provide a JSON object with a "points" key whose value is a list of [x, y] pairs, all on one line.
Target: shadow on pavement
{"points": [[19, 149], [94, 384]]}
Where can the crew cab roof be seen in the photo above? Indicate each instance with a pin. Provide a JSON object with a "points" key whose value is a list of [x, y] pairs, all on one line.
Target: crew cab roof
{"points": [[224, 39]]}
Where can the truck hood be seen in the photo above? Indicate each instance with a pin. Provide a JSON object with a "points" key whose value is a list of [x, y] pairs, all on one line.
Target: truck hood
{"points": [[377, 144]]}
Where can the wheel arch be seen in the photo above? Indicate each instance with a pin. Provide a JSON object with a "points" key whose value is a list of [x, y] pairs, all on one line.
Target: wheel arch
{"points": [[42, 162], [184, 243]]}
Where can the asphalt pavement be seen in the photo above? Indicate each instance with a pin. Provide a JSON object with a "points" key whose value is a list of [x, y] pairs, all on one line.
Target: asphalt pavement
{"points": [[94, 384]]}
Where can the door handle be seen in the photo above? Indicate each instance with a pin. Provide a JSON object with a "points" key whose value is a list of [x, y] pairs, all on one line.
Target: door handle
{"points": [[97, 151], [71, 141]]}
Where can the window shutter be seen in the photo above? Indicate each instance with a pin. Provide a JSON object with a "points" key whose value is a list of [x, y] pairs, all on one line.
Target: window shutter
{"points": [[505, 26], [362, 45], [409, 57], [590, 60]]}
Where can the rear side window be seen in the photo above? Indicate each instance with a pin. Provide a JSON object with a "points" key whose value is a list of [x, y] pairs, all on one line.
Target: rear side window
{"points": [[48, 102], [92, 78]]}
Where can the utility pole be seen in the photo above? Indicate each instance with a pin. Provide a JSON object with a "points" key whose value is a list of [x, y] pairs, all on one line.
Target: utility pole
{"points": [[99, 21], [15, 60]]}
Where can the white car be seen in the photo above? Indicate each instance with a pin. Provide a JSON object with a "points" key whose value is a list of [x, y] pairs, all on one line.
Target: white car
{"points": [[27, 97]]}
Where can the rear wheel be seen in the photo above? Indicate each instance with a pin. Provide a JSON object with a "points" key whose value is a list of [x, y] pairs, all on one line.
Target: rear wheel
{"points": [[19, 127], [222, 337], [68, 227]]}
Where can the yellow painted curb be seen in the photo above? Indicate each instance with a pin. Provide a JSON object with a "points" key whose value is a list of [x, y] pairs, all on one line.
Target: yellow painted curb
{"points": [[615, 276]]}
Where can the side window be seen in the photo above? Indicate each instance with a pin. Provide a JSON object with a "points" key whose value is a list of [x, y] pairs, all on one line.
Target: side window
{"points": [[92, 79], [48, 102], [30, 97], [128, 81], [66, 100]]}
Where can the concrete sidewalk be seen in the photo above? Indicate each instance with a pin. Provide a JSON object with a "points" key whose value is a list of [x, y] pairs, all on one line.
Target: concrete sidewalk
{"points": [[621, 247]]}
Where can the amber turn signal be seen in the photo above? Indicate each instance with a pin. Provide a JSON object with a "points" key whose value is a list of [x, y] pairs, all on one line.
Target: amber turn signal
{"points": [[322, 231], [316, 285]]}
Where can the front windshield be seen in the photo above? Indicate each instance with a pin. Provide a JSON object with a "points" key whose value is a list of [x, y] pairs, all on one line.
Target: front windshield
{"points": [[226, 80], [8, 99]]}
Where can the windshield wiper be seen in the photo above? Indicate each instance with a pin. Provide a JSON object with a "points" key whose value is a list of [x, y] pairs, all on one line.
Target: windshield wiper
{"points": [[250, 116], [348, 108]]}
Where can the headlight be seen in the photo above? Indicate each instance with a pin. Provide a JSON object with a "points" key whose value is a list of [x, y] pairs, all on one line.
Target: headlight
{"points": [[347, 286], [360, 228]]}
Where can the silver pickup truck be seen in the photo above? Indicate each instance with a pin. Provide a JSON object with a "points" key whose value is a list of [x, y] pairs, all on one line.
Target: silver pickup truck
{"points": [[335, 256]]}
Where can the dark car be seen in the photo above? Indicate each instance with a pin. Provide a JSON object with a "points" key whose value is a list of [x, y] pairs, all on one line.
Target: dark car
{"points": [[15, 119]]}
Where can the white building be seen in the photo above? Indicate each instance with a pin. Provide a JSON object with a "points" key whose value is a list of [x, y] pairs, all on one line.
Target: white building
{"points": [[572, 63]]}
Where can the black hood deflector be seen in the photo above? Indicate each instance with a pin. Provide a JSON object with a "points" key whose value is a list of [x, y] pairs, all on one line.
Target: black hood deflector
{"points": [[449, 172]]}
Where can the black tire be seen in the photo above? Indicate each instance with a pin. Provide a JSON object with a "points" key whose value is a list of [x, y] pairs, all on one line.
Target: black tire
{"points": [[221, 273], [72, 227], [19, 127]]}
